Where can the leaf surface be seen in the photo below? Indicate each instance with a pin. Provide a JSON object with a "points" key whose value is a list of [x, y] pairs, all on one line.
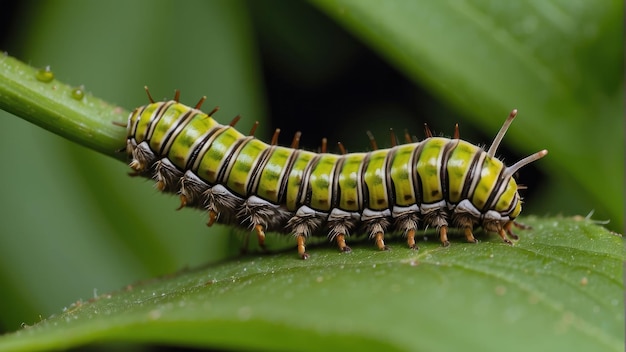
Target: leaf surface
{"points": [[559, 288]]}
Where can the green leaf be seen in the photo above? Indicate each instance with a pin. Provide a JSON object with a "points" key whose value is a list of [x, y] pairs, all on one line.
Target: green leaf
{"points": [[559, 288], [74, 226], [73, 221], [559, 62]]}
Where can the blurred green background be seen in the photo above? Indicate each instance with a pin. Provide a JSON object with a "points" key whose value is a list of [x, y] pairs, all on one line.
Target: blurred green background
{"points": [[73, 224]]}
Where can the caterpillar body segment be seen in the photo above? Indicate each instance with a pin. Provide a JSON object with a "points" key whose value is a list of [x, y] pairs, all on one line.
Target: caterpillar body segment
{"points": [[242, 181]]}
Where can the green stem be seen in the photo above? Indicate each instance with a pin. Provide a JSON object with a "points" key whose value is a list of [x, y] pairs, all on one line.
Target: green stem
{"points": [[36, 96]]}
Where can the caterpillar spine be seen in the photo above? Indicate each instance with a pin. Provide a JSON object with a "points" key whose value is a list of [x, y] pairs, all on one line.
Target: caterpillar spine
{"points": [[240, 180]]}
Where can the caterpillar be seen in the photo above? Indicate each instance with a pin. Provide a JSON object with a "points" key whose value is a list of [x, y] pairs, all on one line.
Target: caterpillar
{"points": [[240, 180]]}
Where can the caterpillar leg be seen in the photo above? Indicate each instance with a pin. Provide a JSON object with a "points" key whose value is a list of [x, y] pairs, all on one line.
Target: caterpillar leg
{"points": [[142, 156], [509, 232], [505, 231], [166, 175], [340, 223], [341, 243], [301, 247], [380, 241], [502, 233], [183, 202], [443, 236], [434, 215], [192, 191], [406, 220], [469, 235], [221, 204], [260, 234], [261, 216], [303, 224], [212, 218], [410, 239], [376, 225], [519, 225]]}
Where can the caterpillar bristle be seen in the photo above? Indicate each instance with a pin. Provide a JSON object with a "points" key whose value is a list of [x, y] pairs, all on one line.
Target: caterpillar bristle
{"points": [[394, 141], [234, 121], [253, 129], [260, 236], [342, 149], [427, 132], [148, 93], [274, 140], [177, 96], [496, 141], [295, 143], [407, 137], [373, 143], [215, 110], [510, 170], [200, 102], [457, 133], [324, 145]]}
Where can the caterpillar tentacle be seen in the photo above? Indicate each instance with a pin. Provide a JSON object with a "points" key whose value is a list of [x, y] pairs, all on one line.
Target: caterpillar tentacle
{"points": [[240, 180]]}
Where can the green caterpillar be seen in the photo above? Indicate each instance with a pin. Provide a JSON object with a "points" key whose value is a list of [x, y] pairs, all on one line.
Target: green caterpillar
{"points": [[240, 180]]}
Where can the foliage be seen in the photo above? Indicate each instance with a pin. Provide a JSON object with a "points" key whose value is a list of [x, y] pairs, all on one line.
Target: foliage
{"points": [[560, 288], [74, 226]]}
